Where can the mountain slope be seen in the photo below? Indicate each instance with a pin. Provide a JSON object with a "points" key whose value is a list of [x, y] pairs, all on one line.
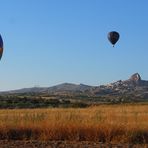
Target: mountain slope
{"points": [[134, 86]]}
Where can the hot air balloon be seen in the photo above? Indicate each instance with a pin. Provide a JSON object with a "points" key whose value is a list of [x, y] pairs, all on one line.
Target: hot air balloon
{"points": [[113, 37], [1, 47]]}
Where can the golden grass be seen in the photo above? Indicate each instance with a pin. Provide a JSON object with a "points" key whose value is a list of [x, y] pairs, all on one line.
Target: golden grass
{"points": [[105, 123]]}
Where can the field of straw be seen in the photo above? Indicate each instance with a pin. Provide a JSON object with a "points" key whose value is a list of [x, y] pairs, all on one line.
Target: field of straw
{"points": [[104, 123]]}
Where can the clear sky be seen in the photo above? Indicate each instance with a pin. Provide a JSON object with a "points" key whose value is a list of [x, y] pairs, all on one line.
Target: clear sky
{"points": [[47, 42]]}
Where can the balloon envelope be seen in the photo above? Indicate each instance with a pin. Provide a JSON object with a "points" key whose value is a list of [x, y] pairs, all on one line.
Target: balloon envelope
{"points": [[1, 47], [113, 37]]}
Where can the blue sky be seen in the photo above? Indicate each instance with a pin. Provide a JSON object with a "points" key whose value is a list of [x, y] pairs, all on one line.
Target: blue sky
{"points": [[47, 42]]}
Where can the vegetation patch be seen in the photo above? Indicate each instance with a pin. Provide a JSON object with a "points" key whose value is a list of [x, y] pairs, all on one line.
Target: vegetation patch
{"points": [[104, 123]]}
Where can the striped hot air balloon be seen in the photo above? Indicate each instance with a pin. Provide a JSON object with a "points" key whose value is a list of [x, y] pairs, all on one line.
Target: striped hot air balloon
{"points": [[1, 47]]}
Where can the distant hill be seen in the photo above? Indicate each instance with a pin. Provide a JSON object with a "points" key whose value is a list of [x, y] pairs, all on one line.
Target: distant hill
{"points": [[134, 87], [64, 87]]}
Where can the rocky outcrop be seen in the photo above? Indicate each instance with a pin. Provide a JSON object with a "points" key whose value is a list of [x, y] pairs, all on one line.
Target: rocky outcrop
{"points": [[135, 77], [134, 86]]}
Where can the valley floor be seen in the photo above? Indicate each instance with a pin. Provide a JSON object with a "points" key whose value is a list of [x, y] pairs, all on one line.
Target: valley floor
{"points": [[75, 128]]}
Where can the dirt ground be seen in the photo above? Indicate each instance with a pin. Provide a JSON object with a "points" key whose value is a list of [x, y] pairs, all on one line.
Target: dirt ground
{"points": [[63, 144]]}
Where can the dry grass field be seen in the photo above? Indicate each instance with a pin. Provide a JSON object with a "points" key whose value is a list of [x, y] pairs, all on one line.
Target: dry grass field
{"points": [[104, 123]]}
